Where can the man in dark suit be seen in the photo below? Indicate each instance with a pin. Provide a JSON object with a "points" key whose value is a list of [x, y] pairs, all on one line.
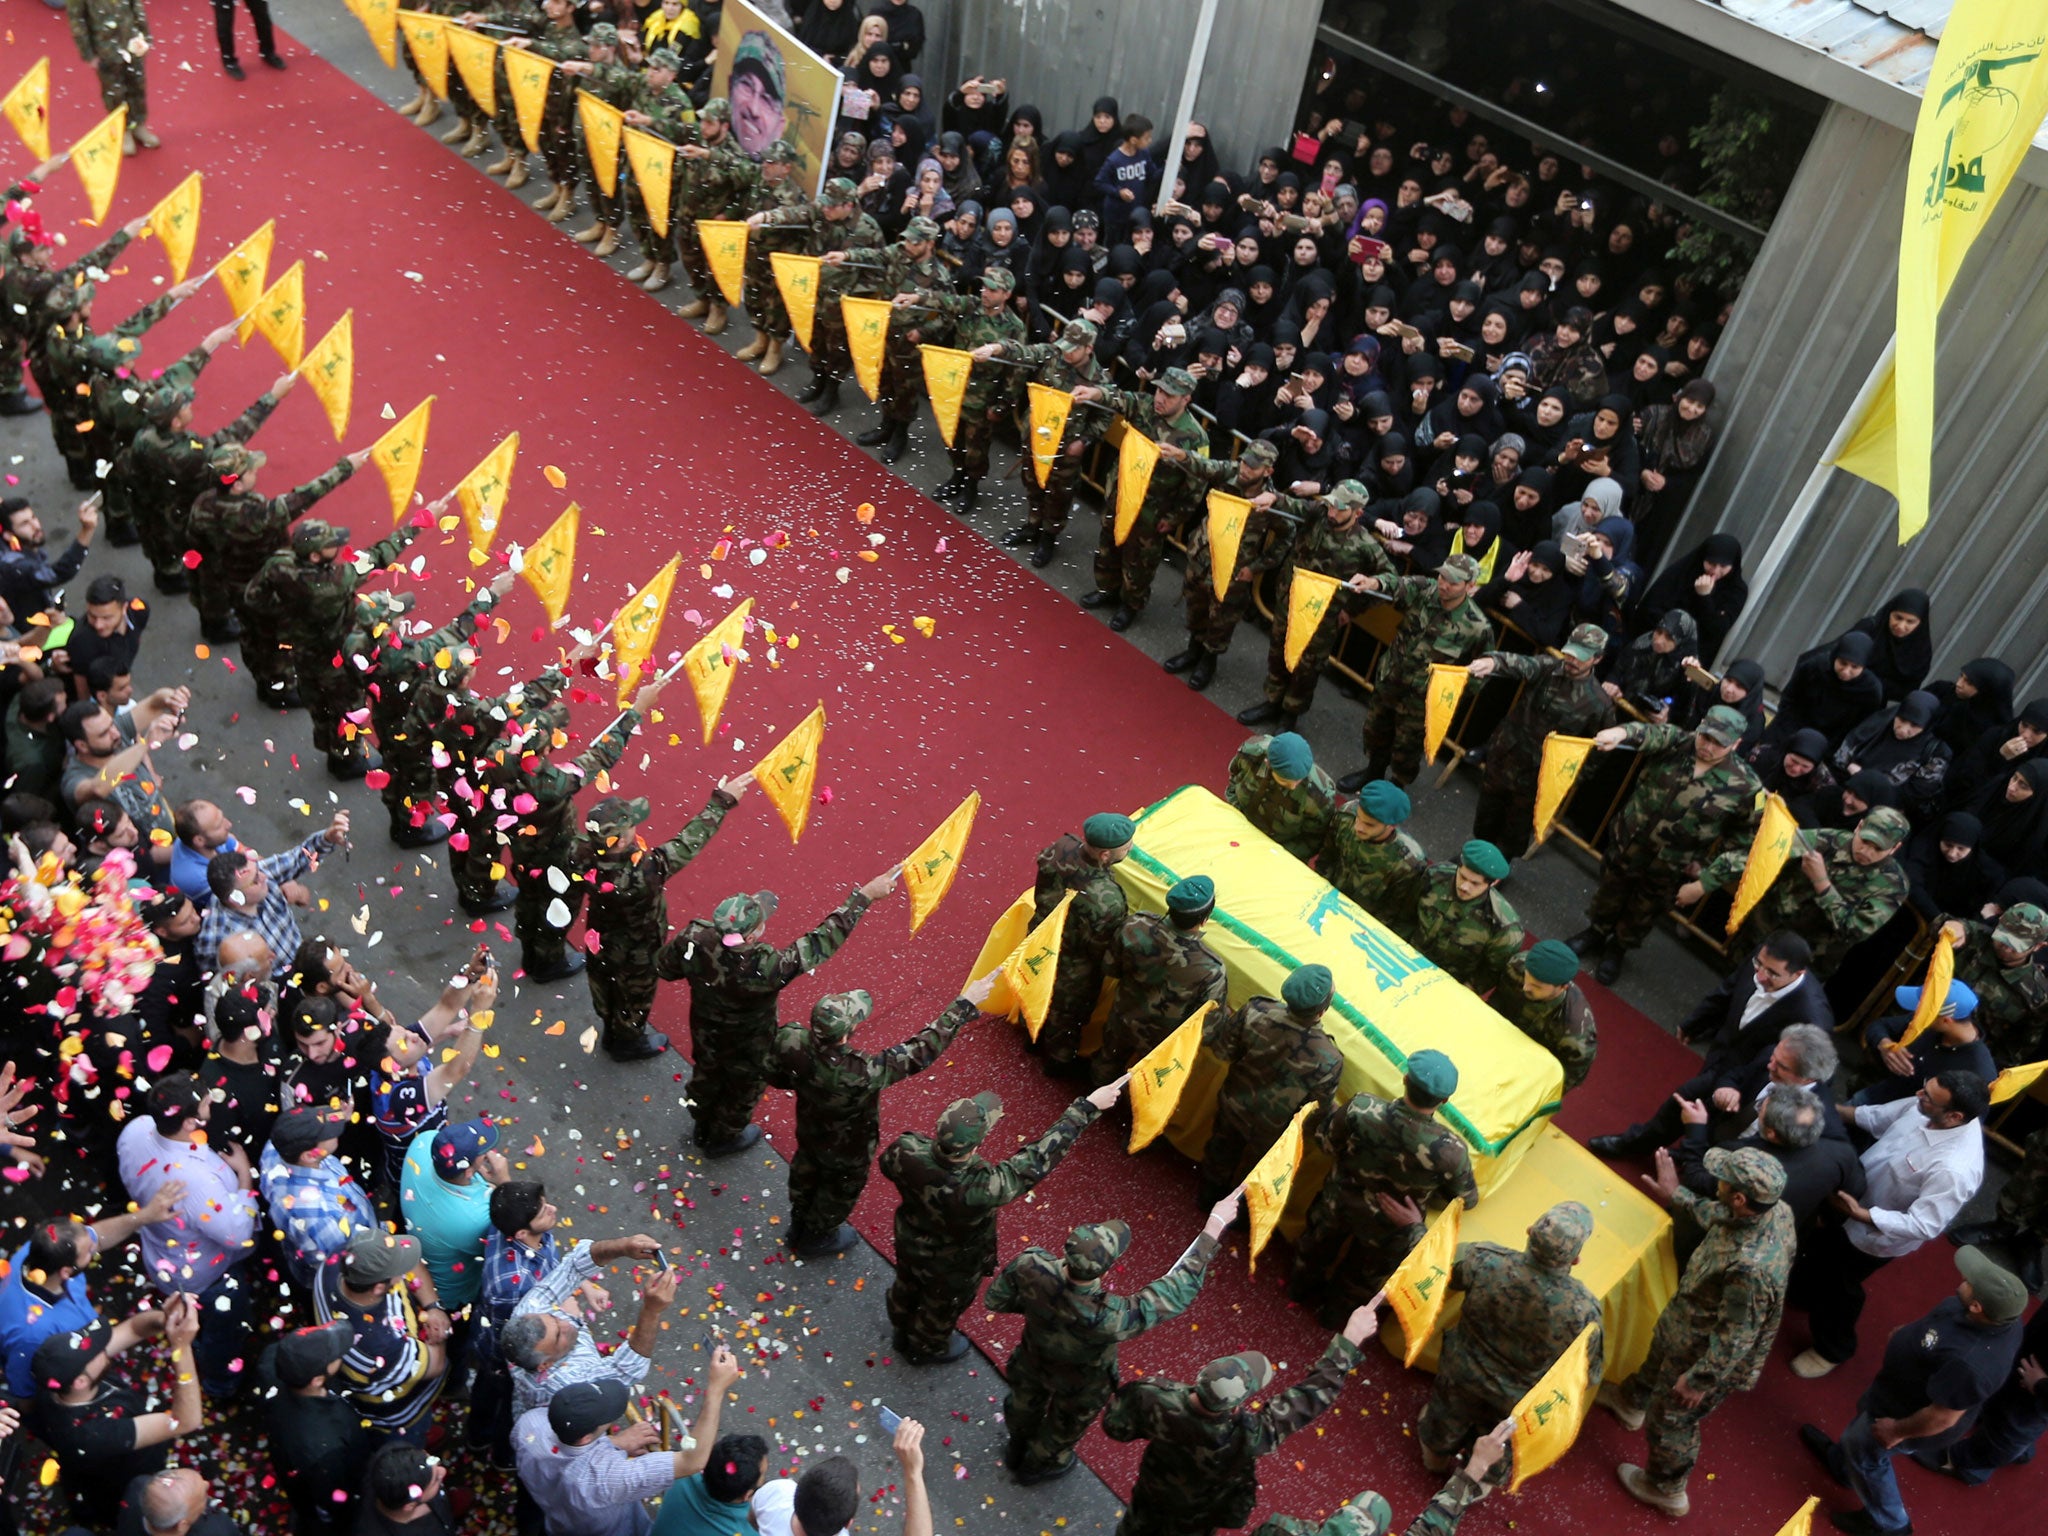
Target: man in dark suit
{"points": [[1735, 1023], [1790, 1121], [1804, 1057]]}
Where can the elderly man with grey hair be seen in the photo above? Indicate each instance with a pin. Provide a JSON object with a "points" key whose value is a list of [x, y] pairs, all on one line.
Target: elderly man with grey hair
{"points": [[548, 1348], [177, 1501], [1804, 1056], [1789, 1123]]}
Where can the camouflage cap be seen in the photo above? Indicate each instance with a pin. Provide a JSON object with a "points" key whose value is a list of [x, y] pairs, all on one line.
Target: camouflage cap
{"points": [[1884, 826], [611, 821], [1587, 643], [1557, 1236], [1724, 725], [1092, 1250], [69, 298], [1197, 893], [316, 534], [603, 35], [1460, 568], [1175, 381], [1226, 1385], [164, 402], [838, 1014], [1308, 988], [921, 228], [743, 913], [1368, 1514], [759, 53], [782, 152], [1259, 452], [2022, 925], [716, 110], [383, 605], [107, 353], [1348, 494], [837, 193], [665, 58], [966, 1122], [1002, 279], [1077, 333], [231, 461], [1750, 1169], [1433, 1072], [1481, 857]]}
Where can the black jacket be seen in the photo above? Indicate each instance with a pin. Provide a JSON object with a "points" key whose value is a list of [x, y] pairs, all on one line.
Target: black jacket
{"points": [[1811, 1173], [1716, 1023]]}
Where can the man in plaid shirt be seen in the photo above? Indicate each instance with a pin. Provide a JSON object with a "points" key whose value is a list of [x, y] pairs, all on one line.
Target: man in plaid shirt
{"points": [[547, 1345], [254, 894], [311, 1196], [519, 1252]]}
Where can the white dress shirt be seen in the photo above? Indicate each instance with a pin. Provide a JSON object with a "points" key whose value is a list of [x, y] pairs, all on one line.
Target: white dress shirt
{"points": [[588, 1490], [1919, 1177]]}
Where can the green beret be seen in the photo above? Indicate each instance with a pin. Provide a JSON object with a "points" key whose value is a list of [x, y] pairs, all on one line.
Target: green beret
{"points": [[1433, 1072], [1175, 381], [1308, 989], [965, 1123], [1724, 725], [1108, 830], [1750, 1169], [716, 110], [1092, 1250], [1385, 801], [1482, 857], [1230, 1383], [1553, 963], [1559, 1234], [1078, 333], [1347, 494], [665, 58], [782, 152], [1259, 454], [603, 35], [1290, 755], [838, 1014], [1001, 279], [611, 821], [921, 228], [316, 534], [837, 193], [1883, 826], [1197, 893], [743, 913]]}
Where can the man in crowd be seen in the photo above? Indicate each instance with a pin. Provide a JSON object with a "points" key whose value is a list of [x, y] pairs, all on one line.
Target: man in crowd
{"points": [[1791, 1122], [258, 894], [1999, 962], [549, 1348], [319, 1439], [445, 1200], [1952, 1039], [397, 1359], [30, 581], [313, 1200]]}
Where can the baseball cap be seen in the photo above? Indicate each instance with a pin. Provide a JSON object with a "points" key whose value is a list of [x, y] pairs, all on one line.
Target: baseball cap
{"points": [[2000, 1292], [1460, 568], [62, 1357], [587, 1406], [743, 913], [1587, 643], [1960, 1002], [965, 1122], [1753, 1171], [302, 1128], [457, 1147], [374, 1257], [308, 1352]]}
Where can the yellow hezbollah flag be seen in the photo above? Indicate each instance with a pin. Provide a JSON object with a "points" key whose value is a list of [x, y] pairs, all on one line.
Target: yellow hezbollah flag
{"points": [[1050, 409], [636, 627], [789, 773], [945, 380], [1135, 461], [1266, 1186], [97, 159], [281, 314], [797, 278], [1158, 1077], [1419, 1283], [476, 61], [2014, 1081], [710, 663], [527, 75], [1309, 597], [483, 491], [1227, 518], [380, 20], [867, 334], [604, 126], [175, 221], [242, 273], [330, 371], [397, 455], [427, 37], [1984, 100], [1446, 687], [654, 168], [1777, 835], [1032, 965], [1801, 1524], [1548, 1417], [1941, 970], [1563, 757], [27, 107], [928, 872], [724, 242], [549, 562]]}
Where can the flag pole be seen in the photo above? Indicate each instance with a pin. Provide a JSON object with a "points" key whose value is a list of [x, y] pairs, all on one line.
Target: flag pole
{"points": [[664, 677]]}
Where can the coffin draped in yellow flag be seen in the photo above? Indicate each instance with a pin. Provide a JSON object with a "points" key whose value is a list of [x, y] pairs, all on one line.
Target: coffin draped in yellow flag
{"points": [[710, 663], [175, 221], [1050, 409], [604, 128], [867, 337], [427, 39], [482, 494], [476, 60], [1941, 970], [1563, 757], [1228, 516], [281, 315], [928, 872], [797, 279], [1777, 836], [548, 564], [1031, 966], [788, 774], [1417, 1287], [397, 455], [329, 370], [724, 242], [2014, 1081], [1548, 1417], [1310, 596], [1158, 1077], [242, 273], [1266, 1187], [1440, 704], [636, 629], [97, 159], [654, 172], [380, 20], [527, 76], [1136, 458], [945, 380], [27, 107]]}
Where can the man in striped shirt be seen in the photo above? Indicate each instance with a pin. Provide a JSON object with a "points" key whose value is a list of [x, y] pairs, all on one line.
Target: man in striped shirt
{"points": [[395, 1367]]}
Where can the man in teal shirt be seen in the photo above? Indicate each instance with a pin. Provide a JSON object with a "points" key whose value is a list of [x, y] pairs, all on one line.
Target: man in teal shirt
{"points": [[445, 1198], [718, 1500]]}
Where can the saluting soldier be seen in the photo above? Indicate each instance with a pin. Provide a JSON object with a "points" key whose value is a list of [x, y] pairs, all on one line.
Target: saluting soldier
{"points": [[913, 277], [119, 410], [1367, 856], [66, 356], [28, 275], [666, 113], [715, 184], [1275, 783], [979, 321], [735, 980], [1462, 923], [602, 74], [946, 1219], [1440, 625], [1560, 696], [773, 187], [1539, 995], [833, 223], [1063, 1371], [560, 43], [1081, 865], [1124, 572], [1063, 363], [465, 731], [307, 593], [1367, 1513], [1163, 972], [1279, 1058], [167, 471], [839, 1105]]}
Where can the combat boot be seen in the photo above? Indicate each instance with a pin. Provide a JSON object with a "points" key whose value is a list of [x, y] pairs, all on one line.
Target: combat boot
{"points": [[502, 899], [416, 106], [636, 1044], [1203, 672], [1043, 551], [952, 487], [592, 235], [812, 390], [658, 280], [970, 493], [565, 208], [501, 167], [828, 399], [352, 763], [899, 442], [430, 114], [478, 144], [836, 1241], [1644, 1489], [641, 273], [696, 309], [519, 175], [877, 435], [752, 349], [609, 243], [715, 321], [771, 359], [740, 1143], [1180, 661], [456, 134], [147, 139], [429, 832], [1019, 536]]}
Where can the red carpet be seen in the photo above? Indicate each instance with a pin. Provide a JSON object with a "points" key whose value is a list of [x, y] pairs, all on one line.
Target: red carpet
{"points": [[459, 290]]}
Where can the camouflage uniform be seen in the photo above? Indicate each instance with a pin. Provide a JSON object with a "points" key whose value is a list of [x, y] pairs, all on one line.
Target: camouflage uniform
{"points": [[1163, 974], [822, 235], [1098, 911], [26, 284], [1048, 506], [562, 44], [1859, 899], [1562, 1025], [466, 729], [946, 1220], [1200, 1470], [68, 357], [235, 531], [1279, 1060], [1551, 702], [839, 1104], [1297, 818], [103, 29], [990, 384], [1172, 499], [763, 296], [1471, 941], [716, 186], [674, 121], [616, 85], [1368, 1514], [1385, 877], [902, 387], [1376, 1146], [530, 20], [166, 472], [1428, 636], [1064, 1370], [733, 994], [1211, 622], [2023, 1202], [2012, 1000], [119, 411], [1669, 823], [1320, 545]]}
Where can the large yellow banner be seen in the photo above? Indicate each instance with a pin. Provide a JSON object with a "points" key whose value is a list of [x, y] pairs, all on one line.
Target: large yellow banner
{"points": [[1419, 1283], [380, 20], [636, 630], [797, 278], [27, 107], [1548, 1417], [1158, 1077], [1310, 597], [1271, 1180], [175, 221], [1136, 458], [1227, 518], [549, 563], [1563, 757], [527, 75], [397, 455], [1777, 835], [1050, 409], [1440, 705], [97, 159], [483, 491], [945, 380], [725, 251], [867, 337], [427, 37], [329, 370], [281, 314], [654, 169], [711, 662], [928, 872], [789, 773], [242, 273], [604, 128]]}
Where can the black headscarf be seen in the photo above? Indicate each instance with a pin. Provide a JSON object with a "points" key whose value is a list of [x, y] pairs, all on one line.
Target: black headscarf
{"points": [[1715, 612], [1097, 147], [1984, 761], [1873, 789], [1875, 746], [828, 32], [1901, 665], [1960, 721], [1816, 696], [2018, 830], [1801, 793], [1544, 613], [1938, 887]]}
